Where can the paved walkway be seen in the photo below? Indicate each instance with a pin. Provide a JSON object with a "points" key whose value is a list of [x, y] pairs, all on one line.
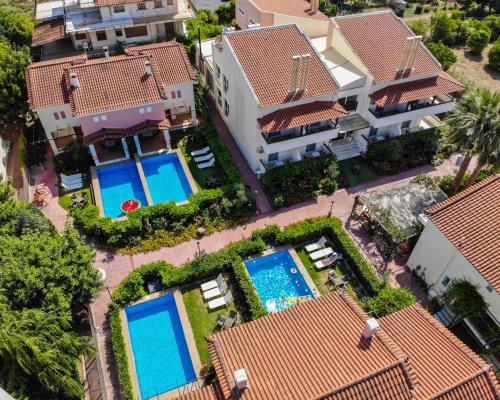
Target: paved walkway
{"points": [[247, 174]]}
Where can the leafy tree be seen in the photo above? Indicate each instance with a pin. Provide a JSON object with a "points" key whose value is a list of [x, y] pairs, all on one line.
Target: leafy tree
{"points": [[75, 158], [443, 54], [13, 62], [474, 116], [464, 299], [478, 40], [17, 28], [389, 300], [38, 354], [493, 23], [494, 56], [443, 28], [226, 12], [419, 27]]}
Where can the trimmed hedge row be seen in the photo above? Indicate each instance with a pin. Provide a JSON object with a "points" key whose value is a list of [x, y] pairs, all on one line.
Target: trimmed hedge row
{"points": [[120, 352], [403, 152], [231, 258]]}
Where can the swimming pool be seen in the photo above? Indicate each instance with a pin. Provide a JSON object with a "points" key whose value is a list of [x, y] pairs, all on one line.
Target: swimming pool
{"points": [[119, 183], [278, 281], [161, 355], [166, 178]]}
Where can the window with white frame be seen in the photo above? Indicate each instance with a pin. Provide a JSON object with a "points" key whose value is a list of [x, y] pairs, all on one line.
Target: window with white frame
{"points": [[118, 9], [226, 108], [241, 10], [225, 83], [172, 94], [142, 110], [149, 109], [170, 2], [104, 117], [219, 98], [446, 281], [56, 115], [95, 118], [62, 114], [251, 21], [217, 71], [179, 94]]}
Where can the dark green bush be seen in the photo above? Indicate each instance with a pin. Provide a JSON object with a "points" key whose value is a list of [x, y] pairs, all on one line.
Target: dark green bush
{"points": [[267, 234], [478, 40], [389, 300], [494, 56], [254, 305], [247, 247], [75, 158], [400, 153], [296, 182], [120, 353], [443, 54]]}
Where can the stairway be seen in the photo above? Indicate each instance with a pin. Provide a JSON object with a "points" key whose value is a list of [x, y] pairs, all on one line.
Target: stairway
{"points": [[345, 149]]}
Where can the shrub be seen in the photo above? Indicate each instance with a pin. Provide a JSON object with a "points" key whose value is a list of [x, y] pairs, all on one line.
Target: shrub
{"points": [[255, 308], [493, 23], [296, 182], [267, 234], [494, 56], [247, 247], [120, 352], [443, 28], [443, 54], [400, 153], [418, 10], [389, 300], [478, 40], [75, 158], [419, 27]]}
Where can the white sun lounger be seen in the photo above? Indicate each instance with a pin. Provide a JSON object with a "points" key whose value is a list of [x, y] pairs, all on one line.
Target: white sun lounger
{"points": [[321, 264], [321, 243], [212, 284], [321, 253], [200, 151], [220, 301], [209, 156], [218, 291], [208, 164]]}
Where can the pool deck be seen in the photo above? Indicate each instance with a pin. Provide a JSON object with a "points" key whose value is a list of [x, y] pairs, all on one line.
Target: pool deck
{"points": [[188, 335], [298, 263]]}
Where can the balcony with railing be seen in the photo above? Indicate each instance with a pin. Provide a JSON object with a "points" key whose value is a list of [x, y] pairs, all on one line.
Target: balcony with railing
{"points": [[383, 112], [298, 132]]}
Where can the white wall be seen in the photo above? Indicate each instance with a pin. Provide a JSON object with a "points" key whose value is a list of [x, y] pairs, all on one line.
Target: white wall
{"points": [[441, 258], [310, 26]]}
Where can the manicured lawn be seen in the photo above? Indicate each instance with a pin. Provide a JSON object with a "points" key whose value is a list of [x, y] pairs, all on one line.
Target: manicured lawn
{"points": [[199, 175], [203, 321], [65, 200], [366, 174]]}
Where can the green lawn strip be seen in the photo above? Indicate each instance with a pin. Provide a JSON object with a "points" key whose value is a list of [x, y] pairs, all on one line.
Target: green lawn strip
{"points": [[203, 321], [367, 172], [199, 175], [65, 201]]}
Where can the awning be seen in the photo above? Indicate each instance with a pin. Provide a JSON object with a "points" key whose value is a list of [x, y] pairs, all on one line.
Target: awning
{"points": [[304, 114], [48, 32], [416, 90], [118, 133]]}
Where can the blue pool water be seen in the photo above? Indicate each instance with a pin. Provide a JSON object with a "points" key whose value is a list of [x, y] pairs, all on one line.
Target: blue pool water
{"points": [[278, 281], [166, 178], [119, 183], [161, 355]]}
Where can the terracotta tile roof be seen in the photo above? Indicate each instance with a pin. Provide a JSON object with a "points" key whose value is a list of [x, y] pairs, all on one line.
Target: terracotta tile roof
{"points": [[268, 65], [170, 60], [470, 222], [208, 392], [117, 133], [48, 31], [313, 350], [46, 83], [109, 83], [379, 40], [113, 83], [446, 368], [308, 113], [296, 8], [416, 90]]}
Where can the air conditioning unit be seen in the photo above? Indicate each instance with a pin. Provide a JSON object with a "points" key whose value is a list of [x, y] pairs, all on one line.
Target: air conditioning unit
{"points": [[260, 149], [85, 45]]}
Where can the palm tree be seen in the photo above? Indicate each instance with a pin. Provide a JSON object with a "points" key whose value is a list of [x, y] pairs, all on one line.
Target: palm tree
{"points": [[474, 127]]}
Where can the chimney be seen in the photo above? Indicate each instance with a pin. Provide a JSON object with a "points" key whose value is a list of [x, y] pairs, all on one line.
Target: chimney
{"points": [[74, 80], [149, 68], [306, 60], [295, 73], [106, 51], [241, 379], [412, 43], [371, 325]]}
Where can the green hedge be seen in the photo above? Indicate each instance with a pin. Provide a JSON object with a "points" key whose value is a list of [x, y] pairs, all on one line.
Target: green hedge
{"points": [[296, 182], [134, 286], [120, 352], [403, 152]]}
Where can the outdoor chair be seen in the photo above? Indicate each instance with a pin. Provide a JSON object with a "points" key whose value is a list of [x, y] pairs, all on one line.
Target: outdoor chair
{"points": [[321, 243], [213, 283], [221, 321], [208, 164], [200, 151], [217, 291], [230, 320], [327, 262], [220, 301], [327, 251], [201, 159], [335, 279]]}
